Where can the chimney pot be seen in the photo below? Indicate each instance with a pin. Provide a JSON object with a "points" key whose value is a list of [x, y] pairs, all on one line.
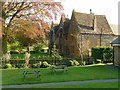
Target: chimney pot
{"points": [[90, 11]]}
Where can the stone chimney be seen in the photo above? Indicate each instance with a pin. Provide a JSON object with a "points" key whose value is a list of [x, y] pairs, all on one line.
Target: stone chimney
{"points": [[90, 11]]}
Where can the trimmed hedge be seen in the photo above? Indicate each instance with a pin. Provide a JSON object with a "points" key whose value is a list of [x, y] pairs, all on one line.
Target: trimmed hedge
{"points": [[104, 53]]}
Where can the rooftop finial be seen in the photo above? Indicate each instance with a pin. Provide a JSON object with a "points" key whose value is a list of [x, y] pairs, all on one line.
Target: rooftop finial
{"points": [[67, 16], [90, 11]]}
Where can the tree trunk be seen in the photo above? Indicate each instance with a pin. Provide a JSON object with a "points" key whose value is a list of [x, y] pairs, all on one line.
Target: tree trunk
{"points": [[28, 48], [4, 44]]}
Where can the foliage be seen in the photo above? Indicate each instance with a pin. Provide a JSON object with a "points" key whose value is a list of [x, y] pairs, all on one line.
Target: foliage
{"points": [[7, 66], [39, 13], [34, 55], [98, 61], [19, 65], [37, 47], [14, 46], [45, 64], [37, 65], [76, 63], [102, 52], [27, 32], [55, 53], [108, 54], [72, 63], [58, 57], [35, 11]]}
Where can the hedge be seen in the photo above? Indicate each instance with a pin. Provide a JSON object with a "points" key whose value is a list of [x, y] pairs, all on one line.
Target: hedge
{"points": [[104, 53]]}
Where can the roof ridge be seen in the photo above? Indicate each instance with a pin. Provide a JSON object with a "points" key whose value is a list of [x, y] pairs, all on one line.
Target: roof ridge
{"points": [[82, 13], [88, 13]]}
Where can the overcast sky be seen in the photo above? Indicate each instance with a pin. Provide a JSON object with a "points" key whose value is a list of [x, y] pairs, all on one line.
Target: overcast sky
{"points": [[99, 7]]}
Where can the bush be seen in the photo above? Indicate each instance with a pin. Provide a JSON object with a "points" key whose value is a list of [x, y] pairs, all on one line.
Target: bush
{"points": [[73, 63], [7, 66], [14, 52], [76, 63], [37, 65], [45, 64], [58, 57], [37, 47], [19, 65], [70, 63], [98, 61], [32, 52], [102, 52], [34, 66]]}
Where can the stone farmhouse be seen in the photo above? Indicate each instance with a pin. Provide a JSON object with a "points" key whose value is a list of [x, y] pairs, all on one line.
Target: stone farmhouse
{"points": [[75, 37]]}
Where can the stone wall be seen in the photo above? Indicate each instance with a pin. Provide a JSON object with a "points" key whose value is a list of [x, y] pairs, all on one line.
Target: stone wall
{"points": [[70, 40], [92, 40], [75, 46], [116, 55]]}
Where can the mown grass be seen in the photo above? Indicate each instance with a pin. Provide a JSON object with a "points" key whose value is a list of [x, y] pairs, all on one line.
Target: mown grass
{"points": [[85, 85], [14, 76]]}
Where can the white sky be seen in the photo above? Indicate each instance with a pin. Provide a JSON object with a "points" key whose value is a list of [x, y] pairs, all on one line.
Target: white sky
{"points": [[101, 7]]}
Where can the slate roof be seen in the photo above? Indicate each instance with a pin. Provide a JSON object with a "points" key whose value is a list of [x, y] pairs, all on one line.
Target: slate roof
{"points": [[116, 41], [87, 22]]}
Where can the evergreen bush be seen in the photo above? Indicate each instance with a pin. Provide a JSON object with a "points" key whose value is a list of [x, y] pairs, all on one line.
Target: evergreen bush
{"points": [[104, 53]]}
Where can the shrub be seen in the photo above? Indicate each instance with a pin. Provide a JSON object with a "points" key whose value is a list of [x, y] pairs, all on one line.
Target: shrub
{"points": [[7, 66], [13, 65], [53, 57], [45, 64], [32, 52], [34, 66], [19, 65], [37, 65], [58, 57], [37, 47], [14, 52], [75, 63], [98, 61], [70, 63], [1, 66], [102, 52]]}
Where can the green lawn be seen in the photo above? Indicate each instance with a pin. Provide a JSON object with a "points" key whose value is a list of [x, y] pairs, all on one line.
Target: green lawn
{"points": [[14, 76], [86, 85]]}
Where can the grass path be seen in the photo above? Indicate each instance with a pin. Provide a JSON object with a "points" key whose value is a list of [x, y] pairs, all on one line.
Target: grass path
{"points": [[61, 83]]}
